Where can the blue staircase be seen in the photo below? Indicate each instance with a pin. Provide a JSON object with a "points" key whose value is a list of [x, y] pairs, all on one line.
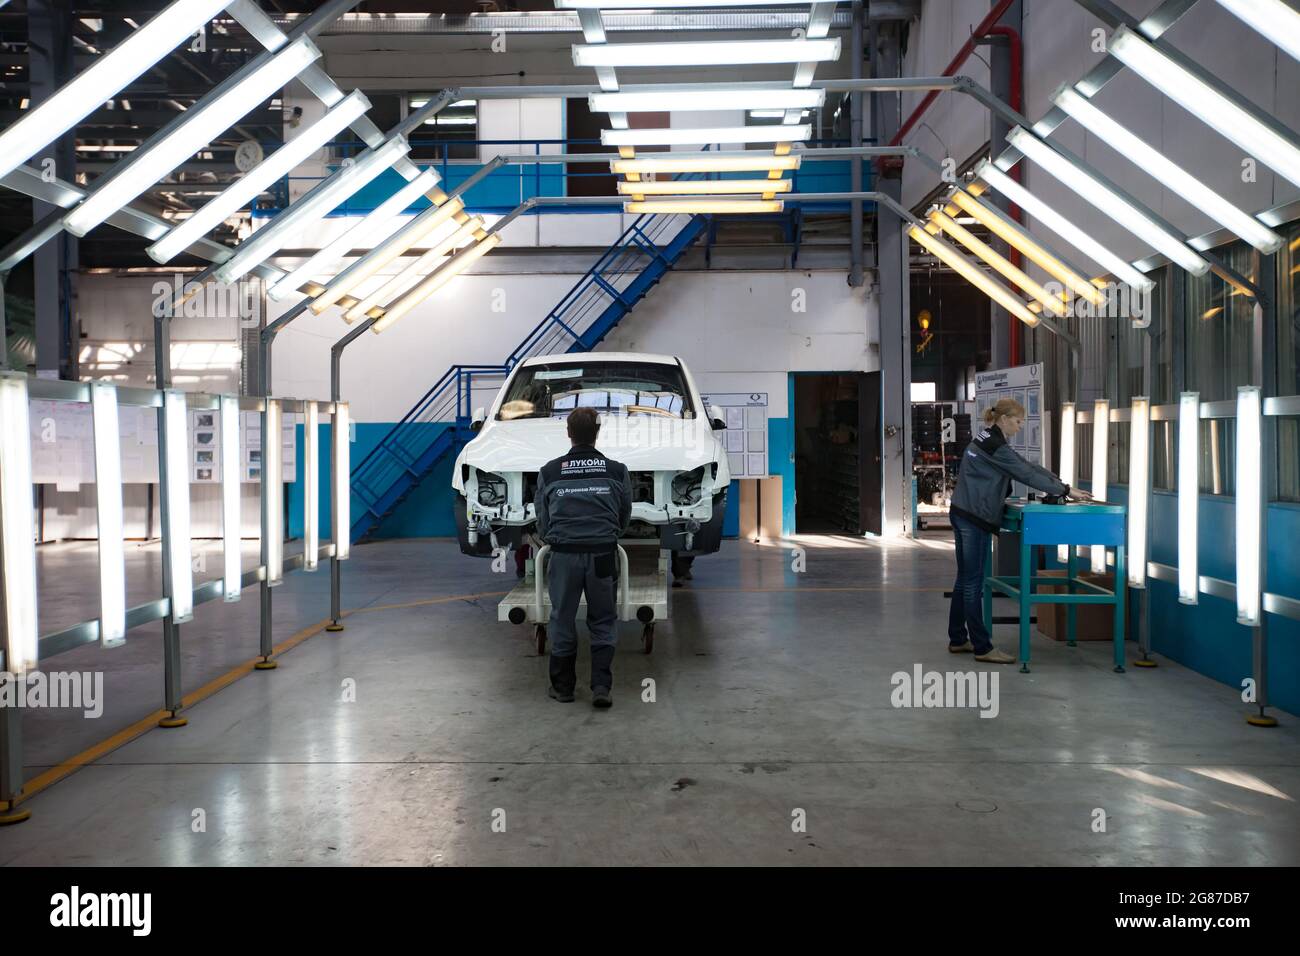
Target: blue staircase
{"points": [[439, 421]]}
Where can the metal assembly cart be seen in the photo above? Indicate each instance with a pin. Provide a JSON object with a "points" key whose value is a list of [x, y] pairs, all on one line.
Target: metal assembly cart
{"points": [[1074, 524], [642, 592]]}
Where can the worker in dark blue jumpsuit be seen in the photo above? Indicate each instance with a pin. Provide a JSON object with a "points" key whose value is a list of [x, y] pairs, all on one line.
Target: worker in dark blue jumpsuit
{"points": [[583, 503]]}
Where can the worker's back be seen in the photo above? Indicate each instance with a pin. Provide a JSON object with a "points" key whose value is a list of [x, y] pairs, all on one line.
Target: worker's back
{"points": [[583, 500]]}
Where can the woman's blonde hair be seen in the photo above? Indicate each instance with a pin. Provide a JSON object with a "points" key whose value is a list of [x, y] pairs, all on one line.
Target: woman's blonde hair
{"points": [[1003, 406]]}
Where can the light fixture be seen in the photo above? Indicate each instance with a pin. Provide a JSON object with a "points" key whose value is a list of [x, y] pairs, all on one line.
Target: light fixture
{"points": [[272, 494], [100, 81], [1003, 265], [772, 133], [706, 99], [391, 248], [1206, 102], [1139, 489], [1100, 451], [1067, 466], [358, 236], [17, 531], [1189, 491], [177, 473], [311, 488], [974, 275], [436, 280], [341, 483], [1063, 227], [252, 184], [705, 163], [232, 574], [705, 187], [1249, 507], [695, 53], [1087, 186], [197, 128], [703, 205], [672, 4], [108, 505], [1274, 19], [318, 203], [1173, 176], [406, 278]]}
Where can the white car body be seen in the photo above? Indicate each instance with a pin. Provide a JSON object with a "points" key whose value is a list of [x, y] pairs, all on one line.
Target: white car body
{"points": [[656, 449]]}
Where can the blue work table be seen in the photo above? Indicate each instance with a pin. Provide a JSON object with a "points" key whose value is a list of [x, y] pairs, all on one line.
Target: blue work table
{"points": [[1044, 525]]}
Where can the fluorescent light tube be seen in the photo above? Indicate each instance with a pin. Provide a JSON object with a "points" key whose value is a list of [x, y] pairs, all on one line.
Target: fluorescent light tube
{"points": [[1107, 200], [703, 205], [317, 204], [1003, 265], [1274, 19], [273, 519], [108, 503], [89, 89], [199, 126], [407, 277], [702, 187], [359, 236], [17, 527], [1249, 505], [1139, 489], [177, 493], [705, 99], [1100, 453], [1204, 101], [391, 248], [341, 484], [1189, 492], [704, 163], [436, 280], [705, 53], [1154, 162], [232, 573], [1063, 227], [311, 488], [795, 133], [1067, 466], [974, 275], [243, 191]]}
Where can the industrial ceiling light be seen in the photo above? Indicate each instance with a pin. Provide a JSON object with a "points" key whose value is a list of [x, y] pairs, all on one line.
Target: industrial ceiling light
{"points": [[1139, 490], [311, 488], [108, 506], [1067, 466], [180, 587], [391, 248], [1100, 469], [1063, 227], [1249, 504], [705, 53], [318, 203], [721, 162], [244, 190], [358, 236], [1204, 101], [17, 531], [272, 492], [943, 221], [1107, 200], [198, 127], [1150, 159], [436, 280], [974, 275], [112, 71], [340, 482], [1274, 19], [704, 206], [1189, 490], [706, 99], [407, 277], [707, 187], [772, 133], [232, 572]]}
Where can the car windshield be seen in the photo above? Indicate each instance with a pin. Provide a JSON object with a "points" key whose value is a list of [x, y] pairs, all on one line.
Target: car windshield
{"points": [[615, 388]]}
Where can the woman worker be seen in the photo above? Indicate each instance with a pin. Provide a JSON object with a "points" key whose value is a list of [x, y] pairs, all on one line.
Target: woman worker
{"points": [[987, 468]]}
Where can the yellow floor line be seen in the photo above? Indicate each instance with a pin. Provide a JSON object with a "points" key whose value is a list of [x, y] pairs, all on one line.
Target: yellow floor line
{"points": [[426, 602]]}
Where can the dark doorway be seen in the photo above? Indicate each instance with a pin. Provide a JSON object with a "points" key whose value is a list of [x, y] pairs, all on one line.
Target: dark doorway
{"points": [[837, 453]]}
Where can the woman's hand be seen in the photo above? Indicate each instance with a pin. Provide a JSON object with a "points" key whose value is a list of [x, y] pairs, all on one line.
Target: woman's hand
{"points": [[1078, 494]]}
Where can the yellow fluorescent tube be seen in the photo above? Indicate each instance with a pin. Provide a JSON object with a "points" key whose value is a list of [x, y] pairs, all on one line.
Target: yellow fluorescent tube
{"points": [[974, 275], [997, 261], [760, 162], [1036, 253], [706, 187], [705, 205], [435, 281], [407, 276]]}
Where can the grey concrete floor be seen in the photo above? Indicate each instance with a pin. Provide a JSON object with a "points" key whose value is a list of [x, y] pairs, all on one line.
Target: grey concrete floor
{"points": [[772, 703]]}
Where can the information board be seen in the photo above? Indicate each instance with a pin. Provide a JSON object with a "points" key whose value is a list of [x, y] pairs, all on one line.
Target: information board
{"points": [[745, 437]]}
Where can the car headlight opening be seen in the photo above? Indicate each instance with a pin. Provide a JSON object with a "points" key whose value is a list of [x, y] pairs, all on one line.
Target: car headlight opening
{"points": [[688, 487], [491, 489]]}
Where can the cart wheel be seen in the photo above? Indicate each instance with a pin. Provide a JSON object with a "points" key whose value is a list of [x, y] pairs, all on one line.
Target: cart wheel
{"points": [[539, 637], [648, 639]]}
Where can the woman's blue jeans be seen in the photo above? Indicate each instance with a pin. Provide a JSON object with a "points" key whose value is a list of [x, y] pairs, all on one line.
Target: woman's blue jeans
{"points": [[966, 617]]}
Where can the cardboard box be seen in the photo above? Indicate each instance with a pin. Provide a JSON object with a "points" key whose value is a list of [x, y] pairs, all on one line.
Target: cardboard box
{"points": [[1094, 622]]}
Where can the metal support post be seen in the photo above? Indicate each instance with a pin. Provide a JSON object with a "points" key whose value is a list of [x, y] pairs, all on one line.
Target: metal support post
{"points": [[336, 395], [172, 691]]}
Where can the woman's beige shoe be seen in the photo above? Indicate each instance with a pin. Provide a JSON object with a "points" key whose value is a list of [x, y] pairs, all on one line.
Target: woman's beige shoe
{"points": [[967, 648], [995, 656]]}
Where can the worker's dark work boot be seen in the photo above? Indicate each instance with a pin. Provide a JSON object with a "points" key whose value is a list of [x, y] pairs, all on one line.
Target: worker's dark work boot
{"points": [[564, 676], [602, 676]]}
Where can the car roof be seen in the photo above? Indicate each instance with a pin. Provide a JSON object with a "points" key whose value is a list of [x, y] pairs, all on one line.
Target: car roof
{"points": [[600, 357]]}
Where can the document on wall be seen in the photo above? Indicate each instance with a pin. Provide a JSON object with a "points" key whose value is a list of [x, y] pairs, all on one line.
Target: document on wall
{"points": [[1024, 384], [745, 437]]}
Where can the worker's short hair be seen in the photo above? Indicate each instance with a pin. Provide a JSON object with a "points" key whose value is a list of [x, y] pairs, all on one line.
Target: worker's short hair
{"points": [[583, 426]]}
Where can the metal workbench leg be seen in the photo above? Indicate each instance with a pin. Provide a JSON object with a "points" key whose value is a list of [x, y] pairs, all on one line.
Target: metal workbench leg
{"points": [[1071, 609], [1026, 592], [1121, 578]]}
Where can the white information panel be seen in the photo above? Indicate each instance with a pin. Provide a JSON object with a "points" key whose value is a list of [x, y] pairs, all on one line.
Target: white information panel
{"points": [[745, 436], [1024, 383]]}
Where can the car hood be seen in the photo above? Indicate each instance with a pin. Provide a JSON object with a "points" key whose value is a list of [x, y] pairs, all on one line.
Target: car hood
{"points": [[641, 442]]}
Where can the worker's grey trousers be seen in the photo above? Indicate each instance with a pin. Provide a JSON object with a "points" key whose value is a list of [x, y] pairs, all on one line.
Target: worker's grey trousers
{"points": [[569, 576]]}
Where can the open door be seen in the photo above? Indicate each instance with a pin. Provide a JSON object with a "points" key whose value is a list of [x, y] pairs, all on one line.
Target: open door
{"points": [[870, 463], [837, 452]]}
